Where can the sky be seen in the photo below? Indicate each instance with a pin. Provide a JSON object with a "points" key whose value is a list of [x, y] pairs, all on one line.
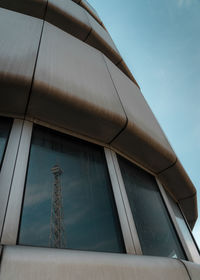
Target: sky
{"points": [[160, 43]]}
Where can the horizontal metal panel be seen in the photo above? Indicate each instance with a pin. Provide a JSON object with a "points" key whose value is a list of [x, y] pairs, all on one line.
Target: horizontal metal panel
{"points": [[18, 49], [124, 68], [177, 178], [73, 89], [142, 139], [26, 263], [90, 10], [190, 210], [35, 8], [193, 270], [68, 16], [100, 39]]}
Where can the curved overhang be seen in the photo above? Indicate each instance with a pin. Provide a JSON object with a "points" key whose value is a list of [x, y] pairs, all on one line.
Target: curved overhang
{"points": [[60, 80]]}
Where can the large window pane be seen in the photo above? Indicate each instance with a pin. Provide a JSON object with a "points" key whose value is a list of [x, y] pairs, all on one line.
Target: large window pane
{"points": [[155, 230], [68, 198], [5, 125]]}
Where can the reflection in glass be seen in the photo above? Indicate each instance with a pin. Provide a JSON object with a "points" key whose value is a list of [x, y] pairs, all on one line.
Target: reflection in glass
{"points": [[184, 228], [5, 125], [68, 199], [155, 230]]}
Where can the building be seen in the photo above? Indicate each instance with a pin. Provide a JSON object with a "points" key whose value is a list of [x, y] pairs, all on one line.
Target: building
{"points": [[85, 166]]}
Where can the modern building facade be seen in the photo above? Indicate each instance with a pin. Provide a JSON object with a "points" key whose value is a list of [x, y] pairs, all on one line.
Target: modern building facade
{"points": [[90, 187]]}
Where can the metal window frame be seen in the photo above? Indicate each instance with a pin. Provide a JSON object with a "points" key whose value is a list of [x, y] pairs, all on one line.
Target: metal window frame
{"points": [[8, 165], [129, 231], [189, 248], [12, 180], [12, 219]]}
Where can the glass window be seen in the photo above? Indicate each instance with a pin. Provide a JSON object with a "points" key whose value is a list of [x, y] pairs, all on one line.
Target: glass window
{"points": [[68, 199], [5, 126], [155, 230], [184, 228]]}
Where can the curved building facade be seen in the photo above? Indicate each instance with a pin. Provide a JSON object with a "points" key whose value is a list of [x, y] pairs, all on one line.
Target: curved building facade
{"points": [[90, 187]]}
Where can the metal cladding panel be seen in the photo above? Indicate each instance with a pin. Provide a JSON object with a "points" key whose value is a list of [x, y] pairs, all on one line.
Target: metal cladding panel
{"points": [[142, 139], [35, 8], [73, 89], [190, 210], [124, 68], [26, 263], [90, 9], [68, 16], [193, 270], [177, 178], [100, 39], [19, 42]]}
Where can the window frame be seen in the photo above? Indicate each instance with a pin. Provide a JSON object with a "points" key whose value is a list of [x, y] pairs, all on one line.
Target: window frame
{"points": [[12, 178], [190, 249], [7, 167]]}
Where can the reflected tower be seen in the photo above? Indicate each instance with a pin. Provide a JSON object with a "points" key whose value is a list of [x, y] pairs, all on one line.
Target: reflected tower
{"points": [[57, 234]]}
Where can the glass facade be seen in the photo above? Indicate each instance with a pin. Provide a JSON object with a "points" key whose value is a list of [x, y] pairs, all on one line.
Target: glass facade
{"points": [[68, 201], [155, 230], [5, 126]]}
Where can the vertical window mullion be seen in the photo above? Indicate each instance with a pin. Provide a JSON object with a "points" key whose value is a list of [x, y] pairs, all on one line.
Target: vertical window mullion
{"points": [[7, 167], [125, 216], [11, 224], [191, 255]]}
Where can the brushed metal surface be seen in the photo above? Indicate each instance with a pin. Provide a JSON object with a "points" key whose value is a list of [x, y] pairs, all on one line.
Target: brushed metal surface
{"points": [[176, 176], [128, 240], [90, 10], [7, 168], [35, 8], [124, 68], [100, 39], [28, 263], [142, 139], [190, 210], [193, 270], [68, 16], [10, 230], [73, 89], [18, 48]]}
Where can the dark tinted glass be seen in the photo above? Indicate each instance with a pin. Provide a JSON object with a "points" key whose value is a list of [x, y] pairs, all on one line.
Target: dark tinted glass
{"points": [[5, 125], [155, 230], [68, 198]]}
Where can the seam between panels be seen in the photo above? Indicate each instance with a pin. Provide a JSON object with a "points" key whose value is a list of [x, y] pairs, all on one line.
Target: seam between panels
{"points": [[167, 167], [183, 264], [188, 197], [126, 123], [88, 20], [36, 59]]}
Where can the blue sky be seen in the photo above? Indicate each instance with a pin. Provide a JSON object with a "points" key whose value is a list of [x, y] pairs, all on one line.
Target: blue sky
{"points": [[160, 42]]}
